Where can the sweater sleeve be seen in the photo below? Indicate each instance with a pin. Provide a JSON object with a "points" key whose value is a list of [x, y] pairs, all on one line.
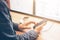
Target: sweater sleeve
{"points": [[31, 35], [15, 26]]}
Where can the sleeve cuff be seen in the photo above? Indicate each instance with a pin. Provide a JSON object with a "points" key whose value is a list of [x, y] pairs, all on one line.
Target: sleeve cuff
{"points": [[33, 34], [15, 26]]}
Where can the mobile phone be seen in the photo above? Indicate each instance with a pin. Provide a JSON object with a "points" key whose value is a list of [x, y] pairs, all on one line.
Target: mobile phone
{"points": [[39, 23]]}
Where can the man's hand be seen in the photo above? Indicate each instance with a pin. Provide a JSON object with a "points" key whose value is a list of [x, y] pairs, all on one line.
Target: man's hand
{"points": [[23, 26], [26, 25], [40, 27]]}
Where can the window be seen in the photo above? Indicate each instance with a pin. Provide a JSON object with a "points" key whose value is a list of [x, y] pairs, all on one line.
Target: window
{"points": [[48, 9], [25, 6]]}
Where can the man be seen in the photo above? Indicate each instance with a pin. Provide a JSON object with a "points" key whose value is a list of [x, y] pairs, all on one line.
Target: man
{"points": [[7, 27]]}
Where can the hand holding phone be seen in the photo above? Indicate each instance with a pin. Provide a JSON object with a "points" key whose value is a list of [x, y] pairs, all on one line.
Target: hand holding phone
{"points": [[40, 23]]}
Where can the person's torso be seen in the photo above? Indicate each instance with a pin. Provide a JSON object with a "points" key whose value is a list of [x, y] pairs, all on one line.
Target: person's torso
{"points": [[6, 26]]}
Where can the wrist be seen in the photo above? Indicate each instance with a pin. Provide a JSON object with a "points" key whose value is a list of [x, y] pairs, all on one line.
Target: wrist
{"points": [[23, 26], [37, 31]]}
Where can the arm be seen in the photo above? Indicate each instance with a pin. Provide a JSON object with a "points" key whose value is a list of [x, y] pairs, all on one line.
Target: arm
{"points": [[31, 35], [22, 26], [26, 25]]}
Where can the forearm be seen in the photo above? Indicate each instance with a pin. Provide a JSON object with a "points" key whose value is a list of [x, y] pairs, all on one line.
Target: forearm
{"points": [[31, 35], [26, 25], [23, 26], [19, 26], [16, 27]]}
